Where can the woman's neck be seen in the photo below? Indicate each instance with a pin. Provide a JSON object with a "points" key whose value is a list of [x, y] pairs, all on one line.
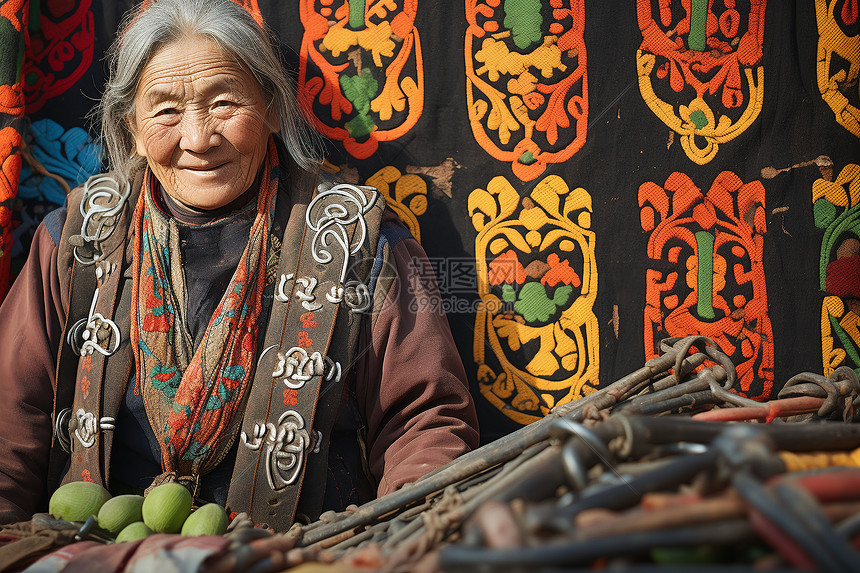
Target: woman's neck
{"points": [[192, 216]]}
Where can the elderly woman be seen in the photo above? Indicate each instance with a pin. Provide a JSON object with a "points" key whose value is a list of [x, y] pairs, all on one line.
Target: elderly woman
{"points": [[213, 311]]}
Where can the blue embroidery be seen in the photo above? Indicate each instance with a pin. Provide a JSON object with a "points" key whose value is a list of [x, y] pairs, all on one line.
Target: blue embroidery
{"points": [[70, 154]]}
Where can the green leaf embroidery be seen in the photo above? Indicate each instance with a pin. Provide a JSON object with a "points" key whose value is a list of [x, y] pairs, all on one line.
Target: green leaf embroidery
{"points": [[523, 19], [359, 90]]}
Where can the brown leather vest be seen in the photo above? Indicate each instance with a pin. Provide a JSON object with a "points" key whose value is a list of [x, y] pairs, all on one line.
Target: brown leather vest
{"points": [[307, 347]]}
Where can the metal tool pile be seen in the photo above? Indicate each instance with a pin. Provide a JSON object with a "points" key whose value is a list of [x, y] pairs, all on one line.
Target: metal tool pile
{"points": [[609, 481]]}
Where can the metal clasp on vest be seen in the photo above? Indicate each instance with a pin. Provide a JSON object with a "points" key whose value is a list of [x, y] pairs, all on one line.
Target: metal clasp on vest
{"points": [[100, 206], [316, 441], [333, 371], [61, 429], [285, 448], [280, 295], [88, 334], [355, 294], [83, 424], [306, 295], [297, 367]]}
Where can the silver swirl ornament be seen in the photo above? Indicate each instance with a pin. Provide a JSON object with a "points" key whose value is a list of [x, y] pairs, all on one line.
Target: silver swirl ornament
{"points": [[297, 367], [95, 332], [285, 444], [328, 216], [85, 426], [101, 204]]}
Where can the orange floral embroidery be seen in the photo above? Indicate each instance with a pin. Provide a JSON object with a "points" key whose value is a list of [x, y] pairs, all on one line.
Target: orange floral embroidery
{"points": [[10, 9], [12, 99], [308, 320], [361, 70], [706, 272], [304, 340], [714, 52], [527, 81]]}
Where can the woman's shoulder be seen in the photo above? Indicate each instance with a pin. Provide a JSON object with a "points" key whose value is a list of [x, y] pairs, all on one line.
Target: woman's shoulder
{"points": [[102, 195], [93, 223], [54, 222]]}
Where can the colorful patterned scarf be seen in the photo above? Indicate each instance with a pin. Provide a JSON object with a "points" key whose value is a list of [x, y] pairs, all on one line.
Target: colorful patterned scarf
{"points": [[192, 399]]}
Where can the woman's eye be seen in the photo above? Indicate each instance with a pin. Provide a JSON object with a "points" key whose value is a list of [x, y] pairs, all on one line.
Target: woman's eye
{"points": [[166, 111], [224, 103]]}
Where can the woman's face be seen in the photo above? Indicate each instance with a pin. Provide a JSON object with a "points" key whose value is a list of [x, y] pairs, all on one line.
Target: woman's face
{"points": [[201, 123]]}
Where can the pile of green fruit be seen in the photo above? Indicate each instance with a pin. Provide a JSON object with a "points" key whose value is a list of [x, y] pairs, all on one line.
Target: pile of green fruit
{"points": [[167, 509]]}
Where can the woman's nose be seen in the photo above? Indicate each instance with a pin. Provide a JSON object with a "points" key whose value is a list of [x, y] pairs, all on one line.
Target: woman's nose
{"points": [[198, 134]]}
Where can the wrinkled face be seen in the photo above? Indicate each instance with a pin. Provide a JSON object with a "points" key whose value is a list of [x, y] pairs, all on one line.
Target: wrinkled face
{"points": [[201, 123]]}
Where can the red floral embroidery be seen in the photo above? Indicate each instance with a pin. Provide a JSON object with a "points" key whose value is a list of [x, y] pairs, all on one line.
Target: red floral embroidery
{"points": [[59, 52], [85, 476], [248, 340], [304, 340], [85, 385], [308, 320], [291, 397]]}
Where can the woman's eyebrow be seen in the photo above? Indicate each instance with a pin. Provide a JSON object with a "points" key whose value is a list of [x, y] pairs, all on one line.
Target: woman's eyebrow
{"points": [[160, 93], [220, 84], [170, 91]]}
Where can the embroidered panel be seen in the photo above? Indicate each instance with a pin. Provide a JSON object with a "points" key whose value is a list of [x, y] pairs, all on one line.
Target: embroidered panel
{"points": [[836, 207], [429, 102], [838, 61], [59, 52], [706, 273], [361, 70], [527, 81], [700, 69], [536, 336]]}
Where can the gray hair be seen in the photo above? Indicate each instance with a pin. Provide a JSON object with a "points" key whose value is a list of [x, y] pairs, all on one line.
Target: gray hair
{"points": [[241, 38]]}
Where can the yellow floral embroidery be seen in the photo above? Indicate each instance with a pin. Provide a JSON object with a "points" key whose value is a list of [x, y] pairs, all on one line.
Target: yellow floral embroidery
{"points": [[537, 279]]}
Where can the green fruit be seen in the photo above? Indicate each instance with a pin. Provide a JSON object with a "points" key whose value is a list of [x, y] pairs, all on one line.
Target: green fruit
{"points": [[133, 532], [120, 511], [211, 519], [166, 507], [77, 500]]}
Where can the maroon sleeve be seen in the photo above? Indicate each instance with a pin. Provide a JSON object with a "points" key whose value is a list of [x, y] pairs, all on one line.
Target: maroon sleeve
{"points": [[413, 389], [31, 318]]}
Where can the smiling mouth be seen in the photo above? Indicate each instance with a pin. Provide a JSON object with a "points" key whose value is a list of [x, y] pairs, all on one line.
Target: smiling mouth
{"points": [[204, 168]]}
